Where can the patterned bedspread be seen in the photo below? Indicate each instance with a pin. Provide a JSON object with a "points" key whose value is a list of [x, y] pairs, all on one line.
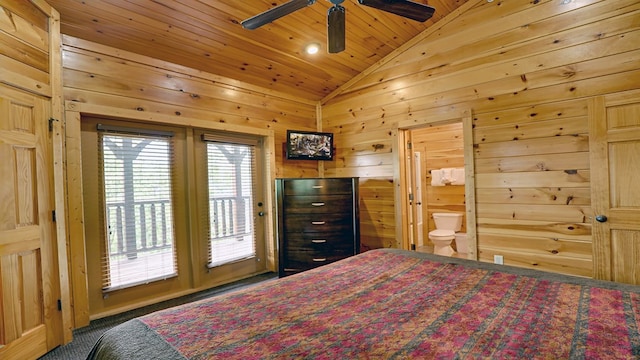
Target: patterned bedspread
{"points": [[394, 304]]}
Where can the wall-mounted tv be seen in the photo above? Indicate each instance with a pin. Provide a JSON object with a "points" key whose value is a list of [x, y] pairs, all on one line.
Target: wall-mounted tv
{"points": [[309, 145]]}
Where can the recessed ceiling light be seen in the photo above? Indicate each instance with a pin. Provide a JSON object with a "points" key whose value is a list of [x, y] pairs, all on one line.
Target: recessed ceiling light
{"points": [[312, 48]]}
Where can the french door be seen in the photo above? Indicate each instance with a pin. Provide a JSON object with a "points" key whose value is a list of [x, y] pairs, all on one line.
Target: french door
{"points": [[168, 210], [135, 230], [231, 205]]}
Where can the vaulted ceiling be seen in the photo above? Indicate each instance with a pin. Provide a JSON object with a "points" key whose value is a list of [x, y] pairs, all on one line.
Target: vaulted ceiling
{"points": [[206, 35]]}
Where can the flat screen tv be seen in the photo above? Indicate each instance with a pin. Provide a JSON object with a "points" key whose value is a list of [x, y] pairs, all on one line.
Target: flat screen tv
{"points": [[309, 145]]}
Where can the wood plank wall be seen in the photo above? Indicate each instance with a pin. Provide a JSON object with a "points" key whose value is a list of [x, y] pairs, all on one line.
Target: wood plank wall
{"points": [[104, 77], [25, 43], [527, 70]]}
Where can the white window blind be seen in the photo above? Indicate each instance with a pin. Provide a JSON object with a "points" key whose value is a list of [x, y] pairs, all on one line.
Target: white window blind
{"points": [[230, 176], [137, 172]]}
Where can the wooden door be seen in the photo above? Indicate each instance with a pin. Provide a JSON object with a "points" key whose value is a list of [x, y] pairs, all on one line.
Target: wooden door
{"points": [[29, 285], [615, 176]]}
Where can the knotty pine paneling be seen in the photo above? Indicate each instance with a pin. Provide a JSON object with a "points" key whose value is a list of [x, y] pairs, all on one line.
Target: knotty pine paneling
{"points": [[552, 229], [24, 47], [207, 36], [526, 70], [100, 76], [376, 220]]}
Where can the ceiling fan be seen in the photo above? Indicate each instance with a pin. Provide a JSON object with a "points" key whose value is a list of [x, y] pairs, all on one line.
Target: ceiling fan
{"points": [[336, 16]]}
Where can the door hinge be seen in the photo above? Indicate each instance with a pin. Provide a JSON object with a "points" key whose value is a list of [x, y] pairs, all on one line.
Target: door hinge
{"points": [[53, 215], [51, 120], [59, 305]]}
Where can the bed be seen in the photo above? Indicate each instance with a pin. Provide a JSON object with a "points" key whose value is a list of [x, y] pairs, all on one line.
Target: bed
{"points": [[394, 304]]}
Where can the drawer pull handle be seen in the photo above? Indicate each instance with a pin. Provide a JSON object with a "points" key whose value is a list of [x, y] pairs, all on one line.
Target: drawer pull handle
{"points": [[318, 222], [318, 186], [319, 259], [317, 204], [318, 241]]}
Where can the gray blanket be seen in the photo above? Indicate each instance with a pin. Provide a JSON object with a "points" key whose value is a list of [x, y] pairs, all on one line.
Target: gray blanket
{"points": [[133, 340]]}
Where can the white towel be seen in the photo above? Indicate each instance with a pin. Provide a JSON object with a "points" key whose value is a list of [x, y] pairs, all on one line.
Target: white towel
{"points": [[457, 177], [447, 175], [436, 178]]}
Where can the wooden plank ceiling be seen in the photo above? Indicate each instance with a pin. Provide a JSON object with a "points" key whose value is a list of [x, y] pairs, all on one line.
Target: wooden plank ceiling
{"points": [[206, 35]]}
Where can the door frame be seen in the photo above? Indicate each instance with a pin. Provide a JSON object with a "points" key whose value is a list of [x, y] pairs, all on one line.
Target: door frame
{"points": [[418, 206], [404, 210]]}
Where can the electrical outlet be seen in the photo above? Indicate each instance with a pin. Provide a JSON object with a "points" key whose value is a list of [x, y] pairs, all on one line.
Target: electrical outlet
{"points": [[498, 259]]}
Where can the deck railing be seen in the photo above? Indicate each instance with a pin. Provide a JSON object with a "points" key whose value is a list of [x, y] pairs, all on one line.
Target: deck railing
{"points": [[152, 228]]}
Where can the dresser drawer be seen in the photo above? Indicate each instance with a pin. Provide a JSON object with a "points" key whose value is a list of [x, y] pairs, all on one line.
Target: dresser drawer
{"points": [[302, 260], [318, 223], [318, 204], [319, 242], [317, 186]]}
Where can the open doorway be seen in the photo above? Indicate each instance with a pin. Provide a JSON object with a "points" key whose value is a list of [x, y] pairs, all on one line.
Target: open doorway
{"points": [[425, 152]]}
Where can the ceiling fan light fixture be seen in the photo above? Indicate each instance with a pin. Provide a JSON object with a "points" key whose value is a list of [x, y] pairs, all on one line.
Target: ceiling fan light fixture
{"points": [[312, 48]]}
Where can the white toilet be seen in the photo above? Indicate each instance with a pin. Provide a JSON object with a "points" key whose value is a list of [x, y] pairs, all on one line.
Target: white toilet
{"points": [[446, 226]]}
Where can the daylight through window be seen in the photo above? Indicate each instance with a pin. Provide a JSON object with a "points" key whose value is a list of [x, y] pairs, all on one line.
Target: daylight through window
{"points": [[231, 175], [138, 209]]}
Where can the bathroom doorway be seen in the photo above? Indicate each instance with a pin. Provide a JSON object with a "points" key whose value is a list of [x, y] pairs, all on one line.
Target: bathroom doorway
{"points": [[430, 147]]}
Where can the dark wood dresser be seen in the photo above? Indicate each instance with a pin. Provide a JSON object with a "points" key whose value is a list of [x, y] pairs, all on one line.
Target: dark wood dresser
{"points": [[318, 222]]}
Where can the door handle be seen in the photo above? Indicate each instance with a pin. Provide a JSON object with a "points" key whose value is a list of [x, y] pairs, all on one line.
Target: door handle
{"points": [[601, 218], [261, 213]]}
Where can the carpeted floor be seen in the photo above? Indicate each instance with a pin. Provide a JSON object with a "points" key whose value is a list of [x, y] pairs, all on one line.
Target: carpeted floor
{"points": [[84, 338]]}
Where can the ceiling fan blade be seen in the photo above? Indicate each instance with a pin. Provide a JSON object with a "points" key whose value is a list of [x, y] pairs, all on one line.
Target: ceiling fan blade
{"points": [[406, 8], [335, 29], [275, 13]]}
